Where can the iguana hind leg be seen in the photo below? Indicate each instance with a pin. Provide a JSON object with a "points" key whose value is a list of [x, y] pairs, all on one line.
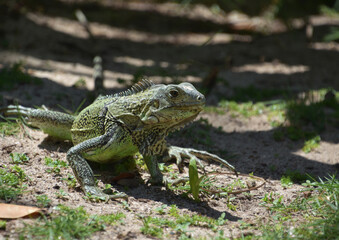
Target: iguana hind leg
{"points": [[55, 124]]}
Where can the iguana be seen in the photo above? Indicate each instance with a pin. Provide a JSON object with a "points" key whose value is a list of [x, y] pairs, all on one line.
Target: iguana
{"points": [[118, 126]]}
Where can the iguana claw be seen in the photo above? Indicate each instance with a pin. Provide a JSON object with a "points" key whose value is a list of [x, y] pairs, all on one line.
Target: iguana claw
{"points": [[179, 152]]}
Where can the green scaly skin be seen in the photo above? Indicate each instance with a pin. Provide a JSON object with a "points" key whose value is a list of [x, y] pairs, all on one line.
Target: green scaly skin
{"points": [[118, 126]]}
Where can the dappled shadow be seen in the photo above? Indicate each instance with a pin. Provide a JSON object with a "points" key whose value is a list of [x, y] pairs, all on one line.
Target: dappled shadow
{"points": [[46, 92], [140, 17], [289, 49]]}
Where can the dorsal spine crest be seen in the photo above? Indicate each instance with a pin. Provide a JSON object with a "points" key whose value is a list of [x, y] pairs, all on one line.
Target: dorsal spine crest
{"points": [[140, 86]]}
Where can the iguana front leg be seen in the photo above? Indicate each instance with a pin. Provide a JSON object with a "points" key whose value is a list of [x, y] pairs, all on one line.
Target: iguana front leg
{"points": [[81, 168], [178, 153], [153, 168]]}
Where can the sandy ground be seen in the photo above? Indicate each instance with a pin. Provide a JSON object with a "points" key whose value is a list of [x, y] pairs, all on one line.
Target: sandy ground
{"points": [[57, 49]]}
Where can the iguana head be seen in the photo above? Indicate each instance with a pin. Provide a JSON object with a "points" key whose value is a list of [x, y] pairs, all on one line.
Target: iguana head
{"points": [[172, 106]]}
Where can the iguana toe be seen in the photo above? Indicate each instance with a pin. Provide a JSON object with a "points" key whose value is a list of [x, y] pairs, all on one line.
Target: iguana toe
{"points": [[179, 152]]}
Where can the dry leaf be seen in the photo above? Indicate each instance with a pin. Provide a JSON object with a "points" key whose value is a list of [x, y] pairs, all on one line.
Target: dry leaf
{"points": [[12, 211]]}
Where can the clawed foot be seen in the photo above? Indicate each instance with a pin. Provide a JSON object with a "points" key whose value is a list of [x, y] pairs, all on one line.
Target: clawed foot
{"points": [[95, 192], [16, 110], [178, 153]]}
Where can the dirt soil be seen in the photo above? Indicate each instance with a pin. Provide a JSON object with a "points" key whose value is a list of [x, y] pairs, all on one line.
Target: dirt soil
{"points": [[166, 43]]}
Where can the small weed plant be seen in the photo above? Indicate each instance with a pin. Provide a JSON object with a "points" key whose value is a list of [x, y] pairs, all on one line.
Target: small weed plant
{"points": [[71, 181], [19, 158], [296, 118], [317, 206], [43, 201], [12, 182], [177, 223], [54, 165], [8, 128]]}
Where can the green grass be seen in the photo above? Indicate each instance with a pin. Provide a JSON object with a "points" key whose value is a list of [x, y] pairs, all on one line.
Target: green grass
{"points": [[296, 118], [62, 195], [209, 186], [250, 101], [311, 144], [3, 225], [12, 182], [252, 93], [77, 109], [80, 83], [14, 75], [201, 186], [43, 201], [54, 165], [330, 12], [333, 35], [213, 109], [297, 177], [318, 213], [177, 223], [70, 181], [286, 181], [9, 128], [247, 109], [111, 219], [301, 113], [68, 223], [313, 214], [19, 158]]}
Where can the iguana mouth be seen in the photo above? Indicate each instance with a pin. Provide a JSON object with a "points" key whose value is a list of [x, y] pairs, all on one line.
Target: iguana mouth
{"points": [[183, 123], [189, 107], [192, 106]]}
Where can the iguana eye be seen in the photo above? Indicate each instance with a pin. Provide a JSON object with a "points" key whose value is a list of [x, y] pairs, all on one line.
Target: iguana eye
{"points": [[174, 93]]}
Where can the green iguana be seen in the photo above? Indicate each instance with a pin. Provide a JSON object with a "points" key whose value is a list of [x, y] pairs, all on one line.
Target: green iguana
{"points": [[118, 126]]}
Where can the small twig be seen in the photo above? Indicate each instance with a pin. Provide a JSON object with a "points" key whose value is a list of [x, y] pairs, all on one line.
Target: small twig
{"points": [[239, 191], [24, 128], [84, 22]]}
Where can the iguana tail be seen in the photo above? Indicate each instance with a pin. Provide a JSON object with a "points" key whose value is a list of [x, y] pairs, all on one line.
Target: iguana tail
{"points": [[55, 124]]}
